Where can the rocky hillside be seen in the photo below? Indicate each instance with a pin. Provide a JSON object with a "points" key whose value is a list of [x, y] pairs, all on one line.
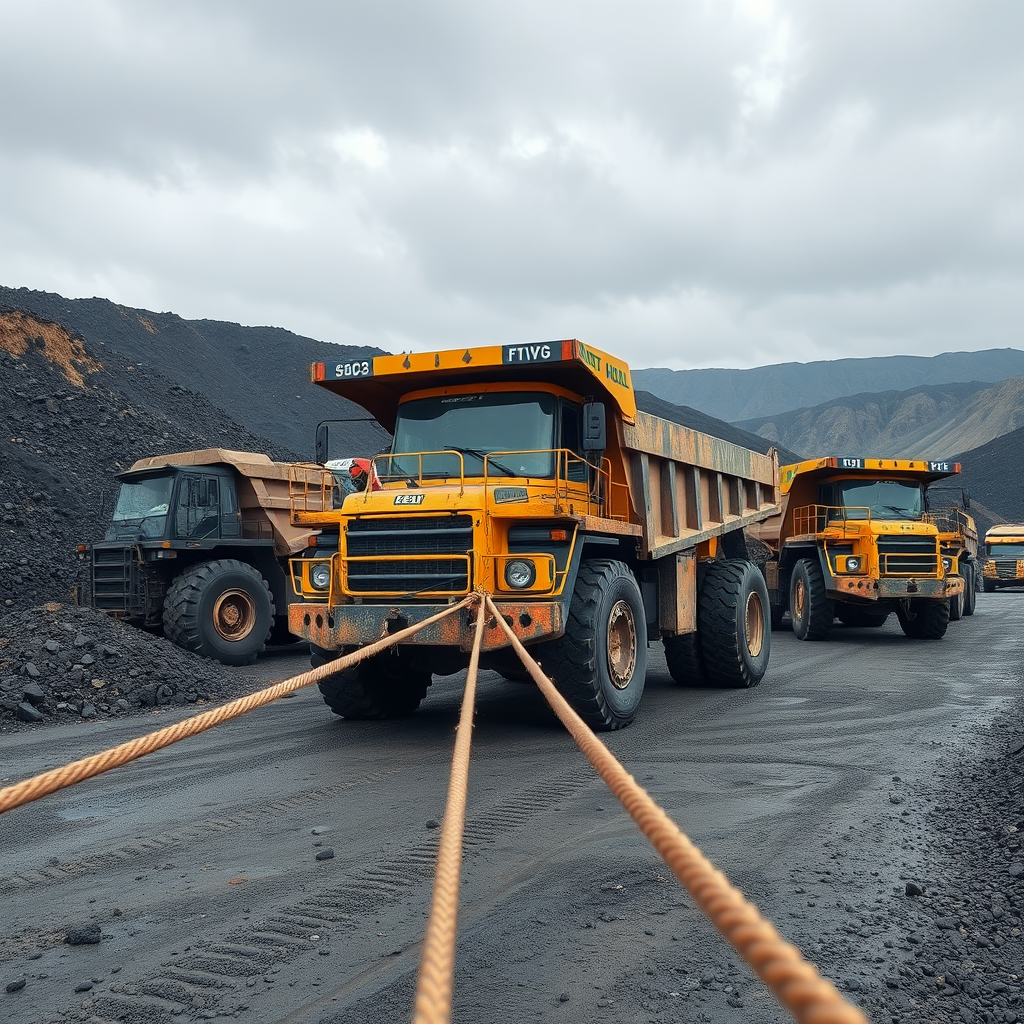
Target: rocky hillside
{"points": [[259, 376], [992, 475], [926, 422], [71, 421], [765, 391]]}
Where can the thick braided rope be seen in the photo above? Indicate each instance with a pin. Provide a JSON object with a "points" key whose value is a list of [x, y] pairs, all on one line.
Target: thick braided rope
{"points": [[433, 1003], [95, 764], [796, 983]]}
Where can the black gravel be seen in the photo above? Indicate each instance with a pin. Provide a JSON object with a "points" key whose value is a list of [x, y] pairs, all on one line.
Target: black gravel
{"points": [[947, 943], [60, 663]]}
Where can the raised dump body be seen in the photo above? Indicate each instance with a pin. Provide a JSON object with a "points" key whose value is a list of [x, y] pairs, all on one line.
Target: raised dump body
{"points": [[527, 471], [199, 544], [852, 541], [1004, 557]]}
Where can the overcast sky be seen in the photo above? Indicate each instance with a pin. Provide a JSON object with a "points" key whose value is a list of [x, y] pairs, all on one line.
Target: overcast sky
{"points": [[683, 183]]}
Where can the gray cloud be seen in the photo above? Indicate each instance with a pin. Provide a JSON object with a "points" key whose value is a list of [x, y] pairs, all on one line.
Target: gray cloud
{"points": [[688, 184]]}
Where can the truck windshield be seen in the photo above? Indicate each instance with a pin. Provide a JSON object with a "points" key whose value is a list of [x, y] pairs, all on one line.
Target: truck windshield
{"points": [[1012, 550], [886, 499], [143, 504], [475, 426]]}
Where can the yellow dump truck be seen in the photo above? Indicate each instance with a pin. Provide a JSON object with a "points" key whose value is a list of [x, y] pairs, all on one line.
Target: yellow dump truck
{"points": [[198, 545], [1004, 557], [529, 472], [958, 540], [853, 541]]}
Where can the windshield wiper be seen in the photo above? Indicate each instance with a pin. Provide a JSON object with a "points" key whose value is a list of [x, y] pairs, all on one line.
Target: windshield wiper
{"points": [[481, 455], [904, 513]]}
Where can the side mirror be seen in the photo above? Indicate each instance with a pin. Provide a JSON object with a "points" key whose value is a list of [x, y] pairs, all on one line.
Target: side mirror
{"points": [[595, 431], [321, 443], [967, 500]]}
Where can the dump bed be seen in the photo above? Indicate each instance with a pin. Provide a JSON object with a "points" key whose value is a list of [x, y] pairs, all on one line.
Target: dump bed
{"points": [[264, 489], [687, 486]]}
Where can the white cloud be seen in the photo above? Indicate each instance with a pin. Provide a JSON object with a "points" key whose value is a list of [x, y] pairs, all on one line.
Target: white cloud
{"points": [[692, 183]]}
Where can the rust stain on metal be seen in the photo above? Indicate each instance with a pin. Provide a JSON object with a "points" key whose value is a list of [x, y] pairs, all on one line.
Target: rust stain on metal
{"points": [[357, 625]]}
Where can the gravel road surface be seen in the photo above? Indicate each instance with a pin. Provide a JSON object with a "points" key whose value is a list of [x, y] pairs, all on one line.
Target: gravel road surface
{"points": [[278, 869]]}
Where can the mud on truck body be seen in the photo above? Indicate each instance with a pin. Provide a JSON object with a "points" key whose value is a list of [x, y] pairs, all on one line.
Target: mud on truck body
{"points": [[528, 472], [853, 541], [198, 546], [1004, 557]]}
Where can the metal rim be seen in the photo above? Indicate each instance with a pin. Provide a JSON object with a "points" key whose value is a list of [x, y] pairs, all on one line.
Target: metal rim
{"points": [[799, 600], [621, 644], [754, 614], [234, 614]]}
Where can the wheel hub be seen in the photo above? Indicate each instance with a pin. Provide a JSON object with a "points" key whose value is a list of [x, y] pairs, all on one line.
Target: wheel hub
{"points": [[234, 615], [799, 599], [754, 616], [621, 644]]}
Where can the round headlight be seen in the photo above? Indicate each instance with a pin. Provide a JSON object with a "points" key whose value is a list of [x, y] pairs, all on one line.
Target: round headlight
{"points": [[320, 576], [520, 573], [853, 564], [947, 564]]}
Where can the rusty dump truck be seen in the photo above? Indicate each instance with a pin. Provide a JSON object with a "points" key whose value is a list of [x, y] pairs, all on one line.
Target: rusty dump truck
{"points": [[528, 472], [1004, 557], [947, 508], [853, 541], [198, 546]]}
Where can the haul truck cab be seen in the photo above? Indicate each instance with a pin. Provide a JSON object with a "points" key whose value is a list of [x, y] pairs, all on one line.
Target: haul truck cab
{"points": [[528, 472], [853, 542], [1004, 558]]}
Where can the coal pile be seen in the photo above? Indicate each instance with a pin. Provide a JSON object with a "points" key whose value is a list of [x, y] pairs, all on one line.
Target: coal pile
{"points": [[61, 663], [67, 430], [258, 376]]}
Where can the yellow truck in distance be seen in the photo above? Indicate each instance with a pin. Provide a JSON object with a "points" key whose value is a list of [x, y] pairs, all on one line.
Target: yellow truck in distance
{"points": [[853, 541], [958, 540], [1004, 557], [529, 472]]}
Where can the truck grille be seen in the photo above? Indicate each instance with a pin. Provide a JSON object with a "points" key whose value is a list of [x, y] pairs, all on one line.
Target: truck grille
{"points": [[909, 556], [409, 555], [112, 578], [1007, 568]]}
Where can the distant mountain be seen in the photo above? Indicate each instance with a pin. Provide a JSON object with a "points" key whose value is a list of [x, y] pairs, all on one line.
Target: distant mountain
{"points": [[258, 375], [927, 422], [697, 420], [736, 395]]}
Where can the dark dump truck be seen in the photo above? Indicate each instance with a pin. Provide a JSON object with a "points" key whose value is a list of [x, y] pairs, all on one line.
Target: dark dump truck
{"points": [[198, 547]]}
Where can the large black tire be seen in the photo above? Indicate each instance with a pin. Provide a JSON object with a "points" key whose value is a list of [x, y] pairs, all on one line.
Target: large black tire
{"points": [[858, 615], [956, 605], [923, 618], [221, 609], [685, 659], [735, 624], [989, 586], [600, 663], [970, 589], [811, 611], [388, 685]]}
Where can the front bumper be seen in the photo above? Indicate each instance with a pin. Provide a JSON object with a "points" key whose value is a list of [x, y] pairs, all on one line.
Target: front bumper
{"points": [[886, 589], [355, 625]]}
